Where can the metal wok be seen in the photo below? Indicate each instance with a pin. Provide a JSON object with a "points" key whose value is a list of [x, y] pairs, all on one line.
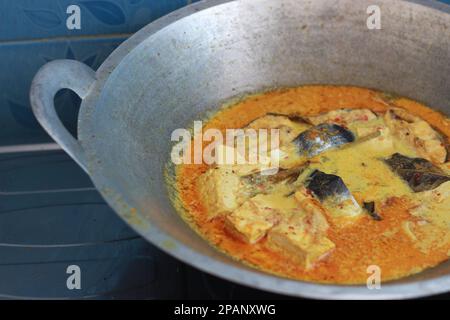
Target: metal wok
{"points": [[179, 67]]}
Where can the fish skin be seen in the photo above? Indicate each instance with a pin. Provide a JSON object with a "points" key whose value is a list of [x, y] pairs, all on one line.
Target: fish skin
{"points": [[321, 138]]}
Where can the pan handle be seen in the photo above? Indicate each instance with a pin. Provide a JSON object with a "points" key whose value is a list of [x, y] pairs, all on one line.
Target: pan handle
{"points": [[52, 77]]}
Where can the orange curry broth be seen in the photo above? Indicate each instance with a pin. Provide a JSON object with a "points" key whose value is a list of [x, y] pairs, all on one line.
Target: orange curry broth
{"points": [[365, 243]]}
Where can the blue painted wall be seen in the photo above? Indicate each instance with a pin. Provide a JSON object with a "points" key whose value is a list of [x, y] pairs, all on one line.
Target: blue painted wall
{"points": [[34, 32]]}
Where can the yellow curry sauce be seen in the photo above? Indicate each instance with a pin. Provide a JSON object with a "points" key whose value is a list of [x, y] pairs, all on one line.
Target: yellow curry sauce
{"points": [[401, 243]]}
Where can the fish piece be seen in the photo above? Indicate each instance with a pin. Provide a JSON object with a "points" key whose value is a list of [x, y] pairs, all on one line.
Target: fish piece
{"points": [[301, 237], [283, 182], [334, 195], [345, 211], [436, 196], [290, 126], [240, 163], [440, 194], [251, 221], [343, 116], [321, 138], [264, 181], [433, 207], [417, 133], [370, 208], [224, 189], [325, 186], [420, 174]]}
